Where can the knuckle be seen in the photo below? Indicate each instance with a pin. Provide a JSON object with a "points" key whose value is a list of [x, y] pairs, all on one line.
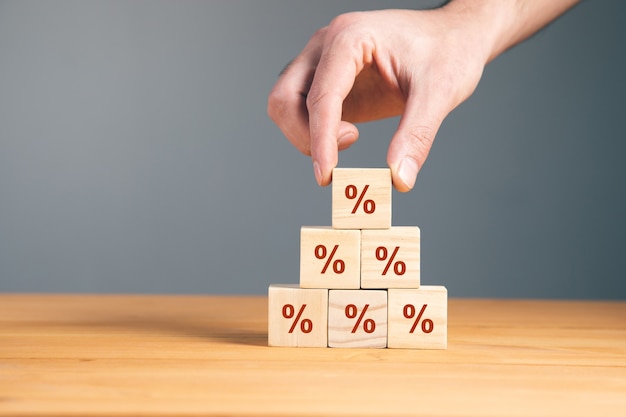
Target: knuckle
{"points": [[315, 97], [277, 104], [421, 138], [350, 31], [319, 101], [341, 22], [279, 111], [320, 34]]}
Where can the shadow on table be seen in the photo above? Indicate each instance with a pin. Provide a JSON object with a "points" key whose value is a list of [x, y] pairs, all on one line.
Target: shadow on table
{"points": [[194, 320]]}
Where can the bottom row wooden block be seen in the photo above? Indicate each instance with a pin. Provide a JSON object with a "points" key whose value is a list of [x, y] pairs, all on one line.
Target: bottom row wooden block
{"points": [[394, 318]]}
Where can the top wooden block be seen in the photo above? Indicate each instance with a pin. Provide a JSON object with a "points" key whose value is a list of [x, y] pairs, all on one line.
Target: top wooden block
{"points": [[361, 198]]}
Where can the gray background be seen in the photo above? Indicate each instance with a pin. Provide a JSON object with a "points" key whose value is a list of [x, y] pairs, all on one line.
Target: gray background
{"points": [[136, 154]]}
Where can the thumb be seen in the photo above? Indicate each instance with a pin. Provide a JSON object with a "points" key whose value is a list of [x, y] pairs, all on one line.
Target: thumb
{"points": [[412, 141]]}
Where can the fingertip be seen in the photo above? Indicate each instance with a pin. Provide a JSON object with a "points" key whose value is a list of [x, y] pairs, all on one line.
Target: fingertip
{"points": [[318, 173], [404, 174], [324, 155], [322, 176], [348, 134]]}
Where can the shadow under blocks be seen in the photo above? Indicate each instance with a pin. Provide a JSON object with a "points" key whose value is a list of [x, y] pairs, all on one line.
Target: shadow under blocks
{"points": [[359, 278]]}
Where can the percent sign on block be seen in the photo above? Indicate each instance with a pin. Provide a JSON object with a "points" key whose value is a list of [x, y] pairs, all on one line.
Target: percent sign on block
{"points": [[357, 318], [297, 317], [306, 325], [399, 267], [369, 206], [409, 312], [418, 318], [339, 266], [352, 311], [330, 258], [390, 258], [361, 198]]}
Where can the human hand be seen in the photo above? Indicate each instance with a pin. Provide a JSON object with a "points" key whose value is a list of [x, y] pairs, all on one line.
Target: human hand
{"points": [[371, 65], [367, 66]]}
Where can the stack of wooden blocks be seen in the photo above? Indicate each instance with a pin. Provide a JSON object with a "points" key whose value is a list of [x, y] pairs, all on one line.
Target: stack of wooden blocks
{"points": [[360, 278]]}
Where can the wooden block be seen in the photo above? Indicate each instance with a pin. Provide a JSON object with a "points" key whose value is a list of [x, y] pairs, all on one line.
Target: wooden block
{"points": [[390, 258], [418, 318], [357, 318], [330, 258], [361, 198], [297, 317]]}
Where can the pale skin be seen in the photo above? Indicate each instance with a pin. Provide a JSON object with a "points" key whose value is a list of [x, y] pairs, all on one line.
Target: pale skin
{"points": [[416, 64]]}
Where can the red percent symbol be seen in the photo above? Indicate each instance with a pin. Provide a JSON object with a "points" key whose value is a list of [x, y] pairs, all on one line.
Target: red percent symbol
{"points": [[409, 313], [399, 267], [306, 325], [369, 325], [338, 265], [369, 206]]}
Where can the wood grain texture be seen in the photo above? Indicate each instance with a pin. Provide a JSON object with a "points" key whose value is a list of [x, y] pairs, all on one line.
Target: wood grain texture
{"points": [[357, 318], [330, 258], [418, 318], [297, 316], [396, 264], [370, 185], [71, 355]]}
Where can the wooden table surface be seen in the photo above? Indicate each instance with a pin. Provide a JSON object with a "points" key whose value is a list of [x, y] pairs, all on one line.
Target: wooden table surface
{"points": [[93, 355]]}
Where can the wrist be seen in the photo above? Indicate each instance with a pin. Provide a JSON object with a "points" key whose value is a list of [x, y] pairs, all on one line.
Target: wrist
{"points": [[502, 24], [488, 22]]}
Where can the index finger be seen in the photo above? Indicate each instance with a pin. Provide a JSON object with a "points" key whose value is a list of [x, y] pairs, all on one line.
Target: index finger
{"points": [[340, 63]]}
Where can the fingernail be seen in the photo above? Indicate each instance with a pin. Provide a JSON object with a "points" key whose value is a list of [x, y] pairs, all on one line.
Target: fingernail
{"points": [[346, 138], [318, 172], [407, 171]]}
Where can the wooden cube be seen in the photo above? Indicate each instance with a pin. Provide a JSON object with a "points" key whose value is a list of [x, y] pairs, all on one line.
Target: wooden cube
{"points": [[330, 258], [357, 318], [418, 318], [297, 317], [361, 198], [390, 258]]}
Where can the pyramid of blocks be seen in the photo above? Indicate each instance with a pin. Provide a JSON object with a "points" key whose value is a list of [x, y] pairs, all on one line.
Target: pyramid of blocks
{"points": [[359, 278]]}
